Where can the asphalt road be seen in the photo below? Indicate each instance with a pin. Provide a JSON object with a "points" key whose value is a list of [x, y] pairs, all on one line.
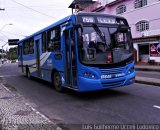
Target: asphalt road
{"points": [[131, 104], [149, 74]]}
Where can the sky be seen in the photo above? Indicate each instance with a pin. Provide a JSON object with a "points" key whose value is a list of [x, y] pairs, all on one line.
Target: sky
{"points": [[22, 18]]}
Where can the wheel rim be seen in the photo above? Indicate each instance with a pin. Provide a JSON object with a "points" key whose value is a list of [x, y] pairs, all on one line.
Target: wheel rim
{"points": [[57, 81]]}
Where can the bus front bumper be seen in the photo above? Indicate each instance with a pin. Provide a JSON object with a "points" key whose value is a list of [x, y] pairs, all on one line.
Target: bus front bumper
{"points": [[86, 84]]}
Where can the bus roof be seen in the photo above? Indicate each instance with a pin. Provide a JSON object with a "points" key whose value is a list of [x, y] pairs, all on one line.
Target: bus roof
{"points": [[48, 27], [66, 19]]}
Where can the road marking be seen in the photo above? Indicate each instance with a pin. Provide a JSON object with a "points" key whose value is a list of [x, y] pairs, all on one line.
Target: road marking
{"points": [[3, 76], [37, 112], [156, 106], [5, 88]]}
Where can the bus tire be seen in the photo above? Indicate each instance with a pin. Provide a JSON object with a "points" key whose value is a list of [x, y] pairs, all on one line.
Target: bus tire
{"points": [[57, 82], [28, 74]]}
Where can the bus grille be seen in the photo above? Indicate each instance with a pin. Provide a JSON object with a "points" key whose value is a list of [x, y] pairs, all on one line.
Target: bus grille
{"points": [[113, 84], [113, 70]]}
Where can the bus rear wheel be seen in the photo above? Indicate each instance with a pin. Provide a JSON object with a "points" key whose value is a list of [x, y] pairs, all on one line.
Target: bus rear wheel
{"points": [[57, 82]]}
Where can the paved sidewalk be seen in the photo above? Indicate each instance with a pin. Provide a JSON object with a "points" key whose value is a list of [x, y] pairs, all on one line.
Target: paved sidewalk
{"points": [[16, 113], [148, 67], [148, 80]]}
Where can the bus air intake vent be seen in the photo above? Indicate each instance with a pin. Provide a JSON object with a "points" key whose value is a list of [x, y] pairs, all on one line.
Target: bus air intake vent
{"points": [[113, 84], [113, 70]]}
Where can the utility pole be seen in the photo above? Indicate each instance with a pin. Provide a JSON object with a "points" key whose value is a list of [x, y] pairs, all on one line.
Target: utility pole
{"points": [[2, 9]]}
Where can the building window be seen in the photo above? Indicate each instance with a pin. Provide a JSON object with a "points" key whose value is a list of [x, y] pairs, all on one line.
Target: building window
{"points": [[121, 9], [142, 26], [140, 3]]}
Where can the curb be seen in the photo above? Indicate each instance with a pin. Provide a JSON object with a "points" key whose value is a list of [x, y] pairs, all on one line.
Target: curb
{"points": [[148, 81], [17, 113], [148, 69]]}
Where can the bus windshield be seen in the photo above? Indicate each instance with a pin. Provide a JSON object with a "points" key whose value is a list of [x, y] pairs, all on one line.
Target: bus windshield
{"points": [[105, 45]]}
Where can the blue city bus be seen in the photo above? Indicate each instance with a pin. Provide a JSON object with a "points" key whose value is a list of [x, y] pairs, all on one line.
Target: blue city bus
{"points": [[83, 52]]}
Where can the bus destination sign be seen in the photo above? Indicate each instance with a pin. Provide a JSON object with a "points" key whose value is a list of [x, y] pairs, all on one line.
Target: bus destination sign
{"points": [[106, 20], [88, 20], [101, 20]]}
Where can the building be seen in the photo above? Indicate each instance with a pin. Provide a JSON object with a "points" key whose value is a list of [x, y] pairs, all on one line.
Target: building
{"points": [[144, 20], [80, 4]]}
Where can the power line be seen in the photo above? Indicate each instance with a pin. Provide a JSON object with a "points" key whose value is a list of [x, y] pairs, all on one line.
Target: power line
{"points": [[33, 9], [36, 6], [2, 40], [4, 35], [14, 33]]}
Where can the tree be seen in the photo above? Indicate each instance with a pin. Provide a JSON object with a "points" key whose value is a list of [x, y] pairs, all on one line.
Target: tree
{"points": [[12, 54]]}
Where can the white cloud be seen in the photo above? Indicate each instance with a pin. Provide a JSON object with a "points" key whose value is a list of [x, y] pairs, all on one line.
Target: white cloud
{"points": [[26, 21]]}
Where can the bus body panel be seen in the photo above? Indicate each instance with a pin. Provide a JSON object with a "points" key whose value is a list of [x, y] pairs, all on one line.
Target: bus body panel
{"points": [[91, 84]]}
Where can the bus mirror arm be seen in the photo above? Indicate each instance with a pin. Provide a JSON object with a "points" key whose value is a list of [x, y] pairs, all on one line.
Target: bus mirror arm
{"points": [[77, 26], [80, 38], [80, 41]]}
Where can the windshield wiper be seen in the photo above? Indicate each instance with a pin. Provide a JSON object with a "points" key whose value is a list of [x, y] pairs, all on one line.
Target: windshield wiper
{"points": [[98, 31]]}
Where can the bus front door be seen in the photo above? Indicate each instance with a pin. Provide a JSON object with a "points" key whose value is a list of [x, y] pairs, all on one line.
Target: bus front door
{"points": [[70, 62], [38, 70]]}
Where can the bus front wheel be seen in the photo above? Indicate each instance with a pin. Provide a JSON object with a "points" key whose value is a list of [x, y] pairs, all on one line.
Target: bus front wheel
{"points": [[57, 82]]}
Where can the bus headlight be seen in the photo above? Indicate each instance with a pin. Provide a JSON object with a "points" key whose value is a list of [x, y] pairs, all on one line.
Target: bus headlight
{"points": [[92, 76], [89, 75], [85, 74]]}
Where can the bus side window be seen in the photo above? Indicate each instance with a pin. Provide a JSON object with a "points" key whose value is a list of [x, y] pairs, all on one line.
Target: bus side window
{"points": [[54, 43], [31, 47], [44, 41], [49, 41], [26, 48]]}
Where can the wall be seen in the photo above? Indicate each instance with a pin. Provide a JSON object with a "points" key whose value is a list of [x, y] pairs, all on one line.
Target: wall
{"points": [[135, 15]]}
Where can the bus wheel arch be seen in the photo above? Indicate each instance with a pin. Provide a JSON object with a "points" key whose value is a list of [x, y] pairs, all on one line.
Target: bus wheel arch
{"points": [[56, 80]]}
